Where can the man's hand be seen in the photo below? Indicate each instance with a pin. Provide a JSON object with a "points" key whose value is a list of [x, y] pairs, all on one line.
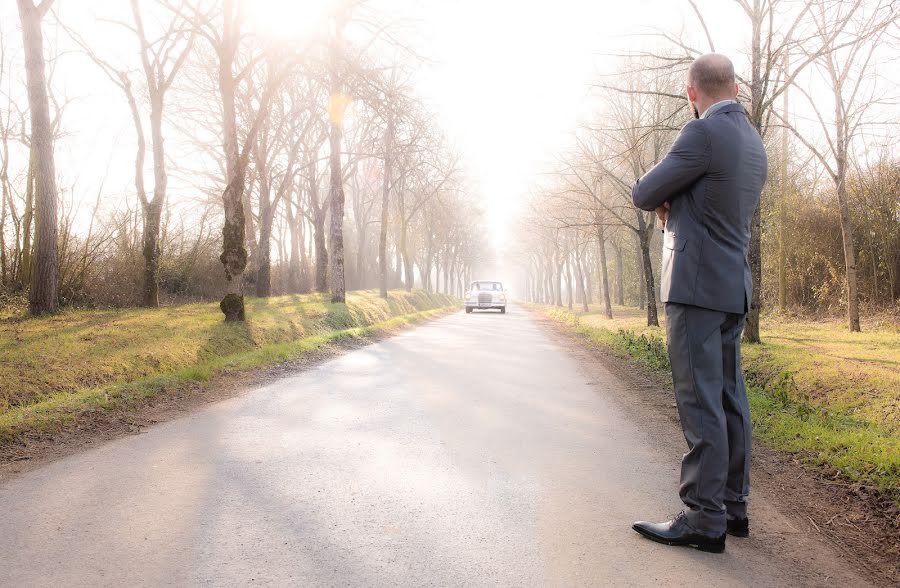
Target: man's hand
{"points": [[662, 213]]}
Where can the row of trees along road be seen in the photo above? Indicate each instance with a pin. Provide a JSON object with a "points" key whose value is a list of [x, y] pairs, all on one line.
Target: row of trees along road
{"points": [[832, 202], [280, 147]]}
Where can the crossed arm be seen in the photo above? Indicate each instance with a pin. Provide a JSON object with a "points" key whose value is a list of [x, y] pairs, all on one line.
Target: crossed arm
{"points": [[683, 165]]}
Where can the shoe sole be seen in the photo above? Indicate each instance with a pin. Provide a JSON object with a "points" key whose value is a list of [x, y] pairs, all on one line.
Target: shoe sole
{"points": [[705, 547], [741, 534]]}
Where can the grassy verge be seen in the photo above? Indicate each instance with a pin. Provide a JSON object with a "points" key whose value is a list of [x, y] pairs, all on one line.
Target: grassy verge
{"points": [[57, 368], [828, 396]]}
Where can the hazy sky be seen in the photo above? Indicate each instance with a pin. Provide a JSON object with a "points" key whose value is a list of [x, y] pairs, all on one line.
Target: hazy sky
{"points": [[512, 78], [508, 78]]}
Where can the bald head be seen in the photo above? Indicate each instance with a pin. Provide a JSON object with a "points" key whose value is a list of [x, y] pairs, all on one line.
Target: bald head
{"points": [[713, 76]]}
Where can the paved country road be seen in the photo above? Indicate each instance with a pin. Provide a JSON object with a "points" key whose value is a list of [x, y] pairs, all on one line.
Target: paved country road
{"points": [[474, 450]]}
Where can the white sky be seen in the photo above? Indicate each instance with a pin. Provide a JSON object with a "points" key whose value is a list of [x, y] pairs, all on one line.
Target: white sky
{"points": [[512, 77], [509, 79]]}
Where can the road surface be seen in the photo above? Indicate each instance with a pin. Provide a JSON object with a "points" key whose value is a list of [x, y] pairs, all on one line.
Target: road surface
{"points": [[474, 450]]}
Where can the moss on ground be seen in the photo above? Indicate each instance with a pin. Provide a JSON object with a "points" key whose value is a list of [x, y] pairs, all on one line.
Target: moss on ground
{"points": [[815, 390], [57, 367]]}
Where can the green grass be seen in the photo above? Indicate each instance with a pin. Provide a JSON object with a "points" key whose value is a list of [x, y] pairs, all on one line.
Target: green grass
{"points": [[829, 396], [56, 368]]}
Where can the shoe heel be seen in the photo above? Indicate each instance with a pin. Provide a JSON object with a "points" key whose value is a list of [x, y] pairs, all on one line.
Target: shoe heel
{"points": [[711, 547]]}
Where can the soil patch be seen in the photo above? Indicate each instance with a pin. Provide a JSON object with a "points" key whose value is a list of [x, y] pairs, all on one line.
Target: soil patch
{"points": [[864, 529]]}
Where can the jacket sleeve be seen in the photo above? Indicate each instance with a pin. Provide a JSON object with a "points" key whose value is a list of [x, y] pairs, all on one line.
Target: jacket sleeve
{"points": [[683, 165]]}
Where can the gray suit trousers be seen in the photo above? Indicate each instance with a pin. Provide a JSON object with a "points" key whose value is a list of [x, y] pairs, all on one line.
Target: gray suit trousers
{"points": [[705, 353]]}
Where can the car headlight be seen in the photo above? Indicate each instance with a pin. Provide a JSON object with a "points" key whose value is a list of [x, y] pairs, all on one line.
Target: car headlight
{"points": [[503, 298], [468, 295]]}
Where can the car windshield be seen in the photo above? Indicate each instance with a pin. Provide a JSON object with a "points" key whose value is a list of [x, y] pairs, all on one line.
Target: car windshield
{"points": [[487, 286]]}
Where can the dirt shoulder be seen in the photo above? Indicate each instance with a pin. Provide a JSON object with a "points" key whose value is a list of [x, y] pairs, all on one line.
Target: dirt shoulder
{"points": [[93, 428], [794, 510]]}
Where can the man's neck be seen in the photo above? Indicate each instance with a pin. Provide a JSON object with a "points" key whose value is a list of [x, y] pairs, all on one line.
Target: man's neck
{"points": [[713, 104]]}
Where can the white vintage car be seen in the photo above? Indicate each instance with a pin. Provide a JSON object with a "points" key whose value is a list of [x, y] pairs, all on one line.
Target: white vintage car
{"points": [[486, 294]]}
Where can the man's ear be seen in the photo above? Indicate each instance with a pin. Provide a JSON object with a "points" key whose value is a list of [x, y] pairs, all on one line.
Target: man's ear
{"points": [[692, 94], [736, 90]]}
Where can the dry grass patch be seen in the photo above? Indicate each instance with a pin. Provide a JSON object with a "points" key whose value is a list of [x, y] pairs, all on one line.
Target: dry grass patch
{"points": [[55, 367], [815, 389]]}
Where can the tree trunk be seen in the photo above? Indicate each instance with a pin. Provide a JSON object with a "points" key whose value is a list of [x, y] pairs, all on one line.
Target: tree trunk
{"points": [[361, 275], [754, 253], [261, 256], [305, 285], [604, 273], [250, 229], [44, 295], [151, 252], [293, 281], [558, 284], [782, 209], [620, 281], [645, 234], [588, 280], [548, 285], [24, 270], [264, 262], [3, 200], [385, 207], [154, 210], [234, 252], [847, 237], [319, 238], [338, 287], [579, 277], [408, 277], [642, 282]]}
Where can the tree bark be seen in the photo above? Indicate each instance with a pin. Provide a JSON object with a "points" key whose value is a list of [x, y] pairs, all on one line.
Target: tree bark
{"points": [[754, 253], [24, 267], [151, 252], [153, 209], [44, 296], [385, 206], [234, 251], [338, 288], [319, 238], [604, 273], [408, 277], [264, 259], [293, 282], [644, 234], [558, 284], [580, 277], [847, 233], [620, 281], [642, 282]]}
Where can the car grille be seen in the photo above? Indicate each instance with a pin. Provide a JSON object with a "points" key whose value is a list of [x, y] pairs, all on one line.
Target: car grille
{"points": [[484, 298]]}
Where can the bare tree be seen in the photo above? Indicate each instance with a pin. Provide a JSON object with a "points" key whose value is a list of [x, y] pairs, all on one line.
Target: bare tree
{"points": [[337, 107], [225, 39], [851, 32], [778, 28], [161, 59], [45, 271]]}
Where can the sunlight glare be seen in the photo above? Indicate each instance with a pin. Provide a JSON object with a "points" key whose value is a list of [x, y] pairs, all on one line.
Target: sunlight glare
{"points": [[289, 20]]}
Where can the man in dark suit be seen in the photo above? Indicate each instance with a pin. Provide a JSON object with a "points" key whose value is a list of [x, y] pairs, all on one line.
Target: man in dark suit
{"points": [[706, 190]]}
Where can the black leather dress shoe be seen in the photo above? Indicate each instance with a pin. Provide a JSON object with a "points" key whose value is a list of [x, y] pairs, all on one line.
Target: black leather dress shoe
{"points": [[679, 531], [738, 527]]}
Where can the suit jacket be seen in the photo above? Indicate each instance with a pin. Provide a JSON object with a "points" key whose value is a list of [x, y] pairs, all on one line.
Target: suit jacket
{"points": [[712, 177]]}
